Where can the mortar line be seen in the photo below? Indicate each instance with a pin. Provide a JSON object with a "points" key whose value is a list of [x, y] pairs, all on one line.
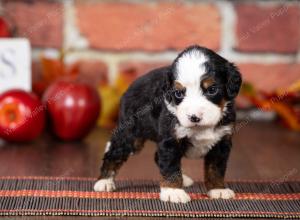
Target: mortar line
{"points": [[170, 55]]}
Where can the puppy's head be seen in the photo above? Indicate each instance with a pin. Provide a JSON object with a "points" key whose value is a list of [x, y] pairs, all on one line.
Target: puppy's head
{"points": [[203, 84]]}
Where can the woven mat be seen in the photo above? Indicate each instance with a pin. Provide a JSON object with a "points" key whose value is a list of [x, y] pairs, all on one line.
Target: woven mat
{"points": [[20, 196]]}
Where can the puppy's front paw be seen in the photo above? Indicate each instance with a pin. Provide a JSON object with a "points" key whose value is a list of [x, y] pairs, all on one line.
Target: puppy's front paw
{"points": [[187, 181], [105, 185], [221, 193], [174, 195]]}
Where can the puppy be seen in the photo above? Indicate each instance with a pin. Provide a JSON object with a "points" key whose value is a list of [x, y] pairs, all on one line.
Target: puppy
{"points": [[188, 110]]}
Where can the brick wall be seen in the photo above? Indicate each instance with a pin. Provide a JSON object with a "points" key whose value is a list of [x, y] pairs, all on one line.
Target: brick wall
{"points": [[262, 37]]}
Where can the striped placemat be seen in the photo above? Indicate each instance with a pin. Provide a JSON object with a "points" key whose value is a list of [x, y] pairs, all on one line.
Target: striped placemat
{"points": [[26, 196]]}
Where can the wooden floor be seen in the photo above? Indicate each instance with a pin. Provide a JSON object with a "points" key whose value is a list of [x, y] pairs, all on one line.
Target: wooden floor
{"points": [[261, 151]]}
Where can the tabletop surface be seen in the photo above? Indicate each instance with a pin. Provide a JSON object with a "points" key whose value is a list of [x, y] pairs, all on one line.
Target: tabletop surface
{"points": [[261, 151]]}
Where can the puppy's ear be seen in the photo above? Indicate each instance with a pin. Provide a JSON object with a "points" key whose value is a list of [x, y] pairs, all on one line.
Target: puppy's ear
{"points": [[234, 81]]}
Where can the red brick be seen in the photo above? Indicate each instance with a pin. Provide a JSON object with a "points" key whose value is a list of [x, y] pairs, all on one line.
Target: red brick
{"points": [[41, 22], [95, 72], [150, 26], [268, 28], [269, 77], [136, 69]]}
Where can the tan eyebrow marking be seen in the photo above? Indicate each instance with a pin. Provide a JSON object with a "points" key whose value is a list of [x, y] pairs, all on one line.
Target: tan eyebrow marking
{"points": [[222, 104], [207, 82], [179, 86]]}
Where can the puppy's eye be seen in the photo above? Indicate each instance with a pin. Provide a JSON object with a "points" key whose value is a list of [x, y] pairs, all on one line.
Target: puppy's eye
{"points": [[179, 94], [212, 90]]}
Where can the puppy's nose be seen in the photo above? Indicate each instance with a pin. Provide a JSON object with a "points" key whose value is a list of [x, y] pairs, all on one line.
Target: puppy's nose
{"points": [[194, 118]]}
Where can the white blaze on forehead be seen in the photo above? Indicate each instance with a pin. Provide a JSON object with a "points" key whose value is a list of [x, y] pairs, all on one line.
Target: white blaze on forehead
{"points": [[190, 67]]}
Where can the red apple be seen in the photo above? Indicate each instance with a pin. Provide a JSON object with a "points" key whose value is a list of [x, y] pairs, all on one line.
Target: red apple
{"points": [[73, 108], [22, 116], [4, 29]]}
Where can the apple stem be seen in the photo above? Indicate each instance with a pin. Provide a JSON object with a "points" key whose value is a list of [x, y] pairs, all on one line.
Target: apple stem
{"points": [[11, 116]]}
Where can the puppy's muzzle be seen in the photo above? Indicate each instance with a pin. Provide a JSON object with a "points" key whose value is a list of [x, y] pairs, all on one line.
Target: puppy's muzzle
{"points": [[194, 118]]}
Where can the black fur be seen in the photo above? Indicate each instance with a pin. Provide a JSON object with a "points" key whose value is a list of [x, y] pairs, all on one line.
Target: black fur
{"points": [[144, 115], [215, 163]]}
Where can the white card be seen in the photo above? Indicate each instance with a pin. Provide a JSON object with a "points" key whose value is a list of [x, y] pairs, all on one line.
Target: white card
{"points": [[15, 64]]}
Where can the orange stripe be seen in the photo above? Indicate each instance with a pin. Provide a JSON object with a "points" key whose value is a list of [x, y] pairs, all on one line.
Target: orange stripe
{"points": [[136, 195], [154, 212]]}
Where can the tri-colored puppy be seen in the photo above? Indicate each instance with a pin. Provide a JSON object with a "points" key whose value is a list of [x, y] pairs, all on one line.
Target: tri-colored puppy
{"points": [[188, 110]]}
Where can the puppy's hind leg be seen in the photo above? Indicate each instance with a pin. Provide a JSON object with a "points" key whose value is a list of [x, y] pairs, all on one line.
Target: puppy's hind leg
{"points": [[116, 153]]}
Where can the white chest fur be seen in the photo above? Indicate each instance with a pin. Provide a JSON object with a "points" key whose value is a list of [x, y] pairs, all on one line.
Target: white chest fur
{"points": [[201, 139]]}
